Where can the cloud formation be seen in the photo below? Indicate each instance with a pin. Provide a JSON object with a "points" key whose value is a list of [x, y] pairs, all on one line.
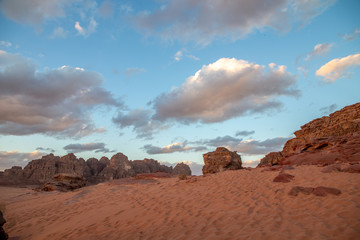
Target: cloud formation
{"points": [[352, 36], [45, 149], [59, 32], [319, 50], [244, 133], [245, 147], [171, 148], [86, 31], [54, 102], [335, 69], [203, 21], [226, 89], [328, 109], [141, 121], [84, 147], [34, 11], [15, 158], [254, 147], [5, 44], [132, 71]]}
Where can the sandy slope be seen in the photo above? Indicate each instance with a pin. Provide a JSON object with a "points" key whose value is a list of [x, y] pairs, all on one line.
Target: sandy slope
{"points": [[232, 205]]}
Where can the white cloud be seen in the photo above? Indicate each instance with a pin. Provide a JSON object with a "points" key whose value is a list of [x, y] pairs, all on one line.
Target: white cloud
{"points": [[5, 44], [34, 11], [184, 53], [54, 102], [89, 30], [206, 20], [178, 55], [15, 158], [335, 69], [225, 89], [352, 36], [59, 32], [251, 163], [319, 50]]}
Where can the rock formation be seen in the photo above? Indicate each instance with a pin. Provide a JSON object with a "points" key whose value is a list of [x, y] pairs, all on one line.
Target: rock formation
{"points": [[43, 170], [327, 140], [64, 182], [220, 160], [3, 234], [182, 169], [318, 191]]}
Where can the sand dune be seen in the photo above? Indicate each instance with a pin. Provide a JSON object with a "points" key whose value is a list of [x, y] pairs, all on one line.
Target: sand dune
{"points": [[239, 204]]}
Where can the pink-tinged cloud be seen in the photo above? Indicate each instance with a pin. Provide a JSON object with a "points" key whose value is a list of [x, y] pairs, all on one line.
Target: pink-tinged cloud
{"points": [[15, 158], [337, 68], [226, 89]]}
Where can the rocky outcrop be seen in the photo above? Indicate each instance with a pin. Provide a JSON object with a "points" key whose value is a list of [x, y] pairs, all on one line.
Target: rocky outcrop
{"points": [[284, 178], [220, 160], [182, 169], [43, 170], [64, 182], [317, 191], [323, 141], [149, 166], [271, 159], [3, 234]]}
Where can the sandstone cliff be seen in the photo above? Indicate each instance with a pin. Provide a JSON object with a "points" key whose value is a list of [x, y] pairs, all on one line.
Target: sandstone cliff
{"points": [[326, 140], [93, 170]]}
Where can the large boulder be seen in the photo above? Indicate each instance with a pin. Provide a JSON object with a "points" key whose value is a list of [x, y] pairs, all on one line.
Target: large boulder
{"points": [[182, 169], [3, 234], [119, 167], [220, 160], [64, 182], [323, 141]]}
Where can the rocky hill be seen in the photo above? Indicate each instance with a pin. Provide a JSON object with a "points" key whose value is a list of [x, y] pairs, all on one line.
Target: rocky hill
{"points": [[326, 140], [93, 170]]}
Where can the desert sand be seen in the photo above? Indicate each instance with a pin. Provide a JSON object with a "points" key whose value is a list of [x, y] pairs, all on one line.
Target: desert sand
{"points": [[241, 204]]}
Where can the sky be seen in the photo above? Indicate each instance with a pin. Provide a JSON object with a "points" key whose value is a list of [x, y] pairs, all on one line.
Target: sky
{"points": [[170, 79]]}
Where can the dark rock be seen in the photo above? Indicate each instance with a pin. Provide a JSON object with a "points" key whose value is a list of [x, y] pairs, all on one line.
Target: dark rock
{"points": [[3, 234], [182, 169], [220, 160], [297, 189], [318, 191], [64, 182], [283, 177], [352, 168], [332, 168], [271, 159]]}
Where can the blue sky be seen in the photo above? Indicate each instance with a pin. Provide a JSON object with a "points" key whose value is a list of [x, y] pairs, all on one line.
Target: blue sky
{"points": [[170, 79]]}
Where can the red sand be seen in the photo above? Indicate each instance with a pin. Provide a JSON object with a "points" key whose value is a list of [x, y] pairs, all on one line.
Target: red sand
{"points": [[231, 205]]}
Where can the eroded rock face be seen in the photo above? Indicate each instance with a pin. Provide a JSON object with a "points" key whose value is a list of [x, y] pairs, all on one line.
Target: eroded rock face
{"points": [[220, 160], [323, 141], [64, 182], [182, 168], [43, 170]]}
